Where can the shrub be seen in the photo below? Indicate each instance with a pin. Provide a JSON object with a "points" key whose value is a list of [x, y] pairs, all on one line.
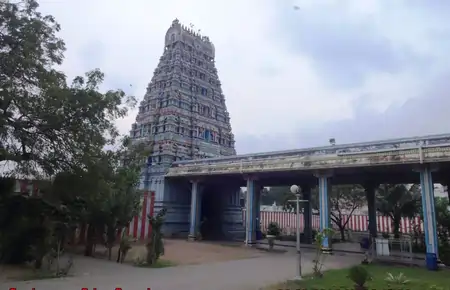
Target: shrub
{"points": [[400, 279], [124, 247], [313, 234], [444, 255], [155, 244], [273, 229], [359, 275], [319, 259]]}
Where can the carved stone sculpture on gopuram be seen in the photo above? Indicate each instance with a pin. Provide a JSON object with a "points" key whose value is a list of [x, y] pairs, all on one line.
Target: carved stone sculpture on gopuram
{"points": [[183, 114]]}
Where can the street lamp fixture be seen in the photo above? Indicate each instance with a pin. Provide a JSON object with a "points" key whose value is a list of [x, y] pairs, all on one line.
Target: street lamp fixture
{"points": [[295, 189]]}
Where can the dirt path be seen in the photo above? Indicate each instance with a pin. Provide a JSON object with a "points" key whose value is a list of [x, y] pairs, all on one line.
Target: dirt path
{"points": [[245, 274], [177, 252], [183, 252]]}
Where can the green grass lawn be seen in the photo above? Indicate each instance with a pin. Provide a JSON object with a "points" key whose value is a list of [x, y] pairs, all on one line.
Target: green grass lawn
{"points": [[419, 279], [161, 263]]}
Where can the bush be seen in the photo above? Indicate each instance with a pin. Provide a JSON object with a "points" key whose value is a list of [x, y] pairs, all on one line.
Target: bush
{"points": [[359, 275], [313, 234], [273, 229], [444, 255]]}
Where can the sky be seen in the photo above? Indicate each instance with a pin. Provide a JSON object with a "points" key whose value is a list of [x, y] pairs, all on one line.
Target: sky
{"points": [[294, 73]]}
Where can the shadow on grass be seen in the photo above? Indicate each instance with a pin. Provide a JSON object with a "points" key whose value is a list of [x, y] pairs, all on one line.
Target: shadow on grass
{"points": [[161, 263], [38, 275], [26, 274]]}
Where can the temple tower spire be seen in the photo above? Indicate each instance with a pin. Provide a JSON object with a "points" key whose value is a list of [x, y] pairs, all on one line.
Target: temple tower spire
{"points": [[183, 114]]}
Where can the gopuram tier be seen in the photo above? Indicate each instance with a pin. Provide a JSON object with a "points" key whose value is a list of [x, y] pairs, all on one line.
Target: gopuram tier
{"points": [[182, 116]]}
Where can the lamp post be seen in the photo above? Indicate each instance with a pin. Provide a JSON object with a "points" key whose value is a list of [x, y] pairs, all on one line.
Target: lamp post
{"points": [[295, 189]]}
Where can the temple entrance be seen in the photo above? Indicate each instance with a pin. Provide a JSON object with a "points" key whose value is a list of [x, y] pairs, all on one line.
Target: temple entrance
{"points": [[211, 217]]}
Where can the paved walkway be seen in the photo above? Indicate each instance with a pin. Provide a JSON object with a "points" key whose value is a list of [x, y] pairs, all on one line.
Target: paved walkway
{"points": [[248, 274]]}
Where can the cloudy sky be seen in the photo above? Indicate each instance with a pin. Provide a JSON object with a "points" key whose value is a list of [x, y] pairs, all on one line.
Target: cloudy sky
{"points": [[349, 69]]}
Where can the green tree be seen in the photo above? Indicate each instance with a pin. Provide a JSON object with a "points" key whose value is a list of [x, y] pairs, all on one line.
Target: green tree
{"points": [[29, 226], [442, 218], [277, 194], [46, 125], [155, 244], [122, 202], [397, 201], [52, 128], [106, 191], [344, 200]]}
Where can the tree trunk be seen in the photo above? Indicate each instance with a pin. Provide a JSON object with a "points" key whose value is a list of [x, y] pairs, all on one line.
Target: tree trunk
{"points": [[82, 236], [396, 223], [124, 253], [118, 255], [38, 263], [342, 230], [110, 240], [89, 248], [72, 236]]}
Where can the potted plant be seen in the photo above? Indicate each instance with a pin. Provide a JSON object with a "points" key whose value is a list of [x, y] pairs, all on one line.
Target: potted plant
{"points": [[359, 276], [273, 231]]}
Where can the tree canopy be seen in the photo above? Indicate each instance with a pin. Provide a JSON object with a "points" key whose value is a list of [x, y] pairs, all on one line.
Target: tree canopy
{"points": [[397, 201], [47, 125]]}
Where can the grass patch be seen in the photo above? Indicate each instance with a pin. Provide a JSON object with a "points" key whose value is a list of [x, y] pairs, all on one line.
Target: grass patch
{"points": [[161, 263], [419, 279], [32, 275], [25, 272], [37, 275]]}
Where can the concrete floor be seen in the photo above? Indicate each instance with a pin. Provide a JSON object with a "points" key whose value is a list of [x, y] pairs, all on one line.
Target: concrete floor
{"points": [[248, 274]]}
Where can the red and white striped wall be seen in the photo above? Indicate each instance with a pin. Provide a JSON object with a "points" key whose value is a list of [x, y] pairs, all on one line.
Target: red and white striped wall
{"points": [[140, 227], [357, 223]]}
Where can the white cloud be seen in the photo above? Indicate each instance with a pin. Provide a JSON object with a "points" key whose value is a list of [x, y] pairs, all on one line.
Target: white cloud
{"points": [[269, 90]]}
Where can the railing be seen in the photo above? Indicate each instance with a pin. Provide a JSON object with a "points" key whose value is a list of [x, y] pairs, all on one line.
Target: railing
{"points": [[344, 149], [368, 157], [392, 250]]}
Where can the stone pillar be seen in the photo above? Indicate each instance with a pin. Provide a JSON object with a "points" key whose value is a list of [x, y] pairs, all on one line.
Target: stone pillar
{"points": [[250, 212], [369, 188], [307, 214], [429, 214], [258, 211], [198, 215], [324, 209], [193, 226], [232, 226]]}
